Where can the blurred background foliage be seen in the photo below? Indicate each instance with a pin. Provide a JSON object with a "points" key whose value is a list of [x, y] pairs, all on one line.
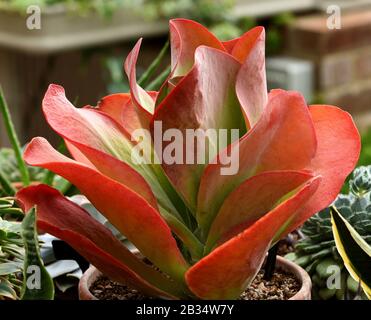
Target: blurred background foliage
{"points": [[365, 158]]}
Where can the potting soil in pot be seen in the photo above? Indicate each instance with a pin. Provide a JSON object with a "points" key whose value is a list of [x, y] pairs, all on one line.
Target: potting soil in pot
{"points": [[282, 286]]}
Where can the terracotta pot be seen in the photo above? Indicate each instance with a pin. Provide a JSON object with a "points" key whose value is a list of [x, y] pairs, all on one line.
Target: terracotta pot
{"points": [[86, 281], [92, 274]]}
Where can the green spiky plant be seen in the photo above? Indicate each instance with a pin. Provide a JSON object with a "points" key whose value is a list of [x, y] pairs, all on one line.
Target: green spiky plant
{"points": [[354, 250], [19, 245], [14, 173], [11, 252], [19, 249], [316, 252]]}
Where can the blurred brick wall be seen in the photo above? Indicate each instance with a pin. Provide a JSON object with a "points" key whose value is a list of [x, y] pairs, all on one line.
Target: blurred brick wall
{"points": [[25, 78], [342, 58]]}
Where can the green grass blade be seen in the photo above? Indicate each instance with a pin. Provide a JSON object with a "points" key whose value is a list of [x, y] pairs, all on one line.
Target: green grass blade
{"points": [[9, 126], [6, 185], [154, 66], [156, 83]]}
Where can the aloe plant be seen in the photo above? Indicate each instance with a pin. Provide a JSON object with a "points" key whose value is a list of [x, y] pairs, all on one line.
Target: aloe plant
{"points": [[37, 284], [15, 260], [206, 231], [353, 249], [11, 252]]}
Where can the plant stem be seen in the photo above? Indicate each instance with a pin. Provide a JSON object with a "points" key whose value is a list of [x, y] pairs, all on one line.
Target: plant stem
{"points": [[156, 83], [154, 65], [14, 139], [270, 265]]}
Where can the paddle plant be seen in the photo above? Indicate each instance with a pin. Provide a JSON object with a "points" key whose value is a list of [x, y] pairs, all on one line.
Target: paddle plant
{"points": [[205, 231]]}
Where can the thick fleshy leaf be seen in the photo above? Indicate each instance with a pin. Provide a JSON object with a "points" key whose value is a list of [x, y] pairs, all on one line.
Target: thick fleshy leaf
{"points": [[283, 139], [251, 200], [353, 249], [251, 85], [89, 128], [120, 172], [229, 44], [204, 99], [249, 41], [229, 269], [339, 145], [121, 108], [68, 221], [124, 208], [186, 36], [114, 104], [85, 125], [141, 98], [77, 154]]}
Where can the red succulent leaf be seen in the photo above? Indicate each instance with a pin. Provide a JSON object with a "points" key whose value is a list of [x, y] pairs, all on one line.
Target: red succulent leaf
{"points": [[337, 154], [253, 199], [98, 133], [216, 108], [229, 44], [251, 85], [249, 41], [121, 108], [283, 139], [229, 269], [186, 36], [77, 154], [114, 104], [66, 220], [123, 207], [95, 129], [141, 99]]}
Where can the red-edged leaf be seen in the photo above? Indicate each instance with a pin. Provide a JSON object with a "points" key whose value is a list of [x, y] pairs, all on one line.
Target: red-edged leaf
{"points": [[77, 154], [204, 99], [186, 36], [141, 98], [253, 39], [120, 172], [121, 108], [68, 221], [337, 154], [283, 139], [229, 44], [229, 269], [251, 200], [129, 212], [114, 104], [251, 86], [89, 128], [85, 125]]}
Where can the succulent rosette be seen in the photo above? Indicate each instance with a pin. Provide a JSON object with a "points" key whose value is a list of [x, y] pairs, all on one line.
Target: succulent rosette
{"points": [[206, 232]]}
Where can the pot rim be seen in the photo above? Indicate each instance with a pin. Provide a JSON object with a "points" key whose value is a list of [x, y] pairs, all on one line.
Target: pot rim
{"points": [[304, 293]]}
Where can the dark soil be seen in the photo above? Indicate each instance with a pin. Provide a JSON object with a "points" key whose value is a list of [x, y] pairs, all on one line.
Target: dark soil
{"points": [[282, 286], [105, 289]]}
